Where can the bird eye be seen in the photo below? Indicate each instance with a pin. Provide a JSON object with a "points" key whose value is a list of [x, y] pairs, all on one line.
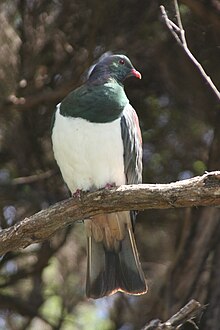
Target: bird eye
{"points": [[121, 61]]}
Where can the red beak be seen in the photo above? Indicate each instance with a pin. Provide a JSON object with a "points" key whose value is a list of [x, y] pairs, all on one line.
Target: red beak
{"points": [[135, 73]]}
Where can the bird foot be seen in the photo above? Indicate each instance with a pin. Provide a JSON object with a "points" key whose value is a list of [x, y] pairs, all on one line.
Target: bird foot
{"points": [[78, 194], [109, 186]]}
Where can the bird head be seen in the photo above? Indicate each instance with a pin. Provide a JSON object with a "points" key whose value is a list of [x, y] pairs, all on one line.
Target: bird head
{"points": [[118, 67]]}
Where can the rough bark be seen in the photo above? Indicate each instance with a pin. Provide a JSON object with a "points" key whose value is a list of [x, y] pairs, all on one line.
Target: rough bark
{"points": [[197, 191], [185, 315]]}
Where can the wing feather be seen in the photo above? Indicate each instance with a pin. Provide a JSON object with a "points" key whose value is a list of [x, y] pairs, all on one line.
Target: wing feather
{"points": [[131, 136]]}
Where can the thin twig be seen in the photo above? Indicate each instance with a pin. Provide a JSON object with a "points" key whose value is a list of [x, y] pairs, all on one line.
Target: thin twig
{"points": [[171, 25], [179, 22], [174, 26], [179, 34], [33, 178]]}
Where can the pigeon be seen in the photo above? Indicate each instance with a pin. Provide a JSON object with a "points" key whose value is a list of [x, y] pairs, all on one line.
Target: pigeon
{"points": [[97, 144]]}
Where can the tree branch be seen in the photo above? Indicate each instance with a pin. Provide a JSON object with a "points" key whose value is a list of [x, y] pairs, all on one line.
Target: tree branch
{"points": [[33, 178], [185, 315], [179, 34], [38, 97], [198, 191]]}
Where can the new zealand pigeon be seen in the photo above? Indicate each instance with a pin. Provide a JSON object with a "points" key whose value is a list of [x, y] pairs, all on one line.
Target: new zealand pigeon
{"points": [[97, 143]]}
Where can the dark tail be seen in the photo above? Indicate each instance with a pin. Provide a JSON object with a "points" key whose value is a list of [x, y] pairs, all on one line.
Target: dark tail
{"points": [[112, 270]]}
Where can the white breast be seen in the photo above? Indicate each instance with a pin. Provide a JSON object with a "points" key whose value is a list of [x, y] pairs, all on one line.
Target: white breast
{"points": [[89, 155]]}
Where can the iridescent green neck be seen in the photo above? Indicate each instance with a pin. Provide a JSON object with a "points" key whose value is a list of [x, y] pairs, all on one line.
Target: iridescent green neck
{"points": [[95, 102]]}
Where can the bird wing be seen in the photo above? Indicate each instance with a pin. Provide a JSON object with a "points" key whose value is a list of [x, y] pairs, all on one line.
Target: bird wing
{"points": [[132, 141]]}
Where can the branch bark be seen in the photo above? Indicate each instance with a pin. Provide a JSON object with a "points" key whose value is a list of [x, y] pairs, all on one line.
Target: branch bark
{"points": [[198, 191], [185, 315]]}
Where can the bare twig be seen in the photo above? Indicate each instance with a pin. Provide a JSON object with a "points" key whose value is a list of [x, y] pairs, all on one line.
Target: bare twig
{"points": [[33, 178], [178, 33], [37, 98], [180, 25], [197, 191], [186, 314]]}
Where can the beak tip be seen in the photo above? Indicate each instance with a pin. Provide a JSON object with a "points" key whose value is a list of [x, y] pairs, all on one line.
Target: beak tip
{"points": [[136, 73]]}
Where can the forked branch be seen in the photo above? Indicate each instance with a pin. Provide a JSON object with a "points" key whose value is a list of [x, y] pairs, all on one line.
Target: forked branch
{"points": [[178, 33]]}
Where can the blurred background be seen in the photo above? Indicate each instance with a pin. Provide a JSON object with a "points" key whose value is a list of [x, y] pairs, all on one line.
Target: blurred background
{"points": [[45, 49]]}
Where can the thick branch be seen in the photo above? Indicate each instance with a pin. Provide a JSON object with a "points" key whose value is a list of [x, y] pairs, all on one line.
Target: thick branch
{"points": [[197, 191]]}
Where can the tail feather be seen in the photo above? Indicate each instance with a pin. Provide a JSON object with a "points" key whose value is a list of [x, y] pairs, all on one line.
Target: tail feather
{"points": [[110, 270]]}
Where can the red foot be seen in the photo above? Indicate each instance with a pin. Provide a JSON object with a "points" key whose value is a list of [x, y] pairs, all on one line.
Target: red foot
{"points": [[78, 194], [110, 185]]}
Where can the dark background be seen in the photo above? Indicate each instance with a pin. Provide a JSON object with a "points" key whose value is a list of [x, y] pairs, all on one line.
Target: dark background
{"points": [[45, 48]]}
